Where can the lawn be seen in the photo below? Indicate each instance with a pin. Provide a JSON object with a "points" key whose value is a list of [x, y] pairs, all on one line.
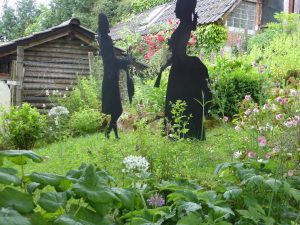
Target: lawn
{"points": [[194, 159]]}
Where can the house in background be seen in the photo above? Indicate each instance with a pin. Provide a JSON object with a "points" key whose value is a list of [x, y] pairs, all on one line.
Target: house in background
{"points": [[238, 15], [47, 61]]}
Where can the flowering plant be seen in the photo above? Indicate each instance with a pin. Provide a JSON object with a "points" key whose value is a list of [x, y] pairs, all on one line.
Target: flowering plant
{"points": [[135, 164]]}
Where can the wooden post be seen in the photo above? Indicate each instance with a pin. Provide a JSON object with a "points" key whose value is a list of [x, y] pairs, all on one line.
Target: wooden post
{"points": [[258, 15], [91, 61], [246, 40], [19, 74], [13, 76]]}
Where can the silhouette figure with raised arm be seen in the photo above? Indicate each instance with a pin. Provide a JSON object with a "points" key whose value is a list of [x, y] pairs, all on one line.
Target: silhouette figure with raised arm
{"points": [[111, 99], [188, 79]]}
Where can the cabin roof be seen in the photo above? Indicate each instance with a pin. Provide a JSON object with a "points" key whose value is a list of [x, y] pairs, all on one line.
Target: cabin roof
{"points": [[71, 26], [209, 11]]}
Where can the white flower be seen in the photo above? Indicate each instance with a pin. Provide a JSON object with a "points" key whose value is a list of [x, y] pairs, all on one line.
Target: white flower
{"points": [[248, 97], [44, 105], [293, 92], [260, 160], [135, 164], [58, 111], [67, 88], [255, 110], [247, 112], [65, 95], [47, 93], [237, 154]]}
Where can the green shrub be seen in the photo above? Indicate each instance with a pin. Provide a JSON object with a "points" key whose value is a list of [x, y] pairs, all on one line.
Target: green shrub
{"points": [[85, 121], [84, 95], [23, 126], [231, 80]]}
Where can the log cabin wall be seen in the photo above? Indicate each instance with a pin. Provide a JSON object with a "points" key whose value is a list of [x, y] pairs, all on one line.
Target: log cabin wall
{"points": [[53, 66]]}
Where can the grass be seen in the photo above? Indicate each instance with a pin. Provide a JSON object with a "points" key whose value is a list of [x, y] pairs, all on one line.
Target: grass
{"points": [[185, 159]]}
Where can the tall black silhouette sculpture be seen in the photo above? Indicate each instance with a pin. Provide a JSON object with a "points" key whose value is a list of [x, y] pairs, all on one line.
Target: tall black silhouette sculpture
{"points": [[188, 79], [111, 99]]}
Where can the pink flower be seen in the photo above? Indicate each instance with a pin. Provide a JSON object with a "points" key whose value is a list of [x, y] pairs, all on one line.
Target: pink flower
{"points": [[296, 119], [248, 97], [251, 154], [247, 112], [290, 173], [289, 123], [255, 110], [237, 128], [262, 141], [268, 155], [285, 101], [225, 118], [279, 116], [279, 100]]}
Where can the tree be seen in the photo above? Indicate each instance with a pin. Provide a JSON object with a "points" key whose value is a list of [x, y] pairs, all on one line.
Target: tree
{"points": [[8, 23]]}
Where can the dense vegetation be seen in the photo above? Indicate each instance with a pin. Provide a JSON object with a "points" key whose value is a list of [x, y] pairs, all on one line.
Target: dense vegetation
{"points": [[246, 173]]}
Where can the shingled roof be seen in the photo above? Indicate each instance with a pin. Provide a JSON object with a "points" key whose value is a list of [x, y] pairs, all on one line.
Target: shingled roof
{"points": [[209, 11]]}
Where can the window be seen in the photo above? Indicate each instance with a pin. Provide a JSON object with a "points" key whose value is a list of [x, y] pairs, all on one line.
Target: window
{"points": [[243, 16]]}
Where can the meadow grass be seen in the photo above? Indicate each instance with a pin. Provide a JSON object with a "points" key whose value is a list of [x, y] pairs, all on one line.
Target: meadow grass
{"points": [[194, 159]]}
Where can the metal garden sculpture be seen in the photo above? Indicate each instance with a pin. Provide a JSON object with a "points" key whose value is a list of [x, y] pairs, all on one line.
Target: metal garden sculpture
{"points": [[111, 99], [188, 79]]}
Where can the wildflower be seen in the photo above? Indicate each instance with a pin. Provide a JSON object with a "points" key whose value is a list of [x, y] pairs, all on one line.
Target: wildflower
{"points": [[243, 123], [65, 95], [44, 106], [255, 110], [247, 112], [293, 92], [262, 141], [279, 100], [266, 107], [260, 160], [135, 164], [268, 155], [285, 101], [225, 118], [289, 123], [237, 154], [58, 111], [274, 107], [67, 88], [248, 97], [279, 116], [237, 128], [251, 154], [290, 173], [254, 64], [56, 121], [47, 93], [296, 120], [156, 200]]}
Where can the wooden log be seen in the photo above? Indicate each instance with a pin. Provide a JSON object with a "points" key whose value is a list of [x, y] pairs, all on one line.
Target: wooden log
{"points": [[55, 55], [60, 71], [41, 105], [53, 75], [36, 99], [56, 60], [60, 50], [33, 86], [19, 74], [48, 81], [56, 65], [42, 92], [80, 46]]}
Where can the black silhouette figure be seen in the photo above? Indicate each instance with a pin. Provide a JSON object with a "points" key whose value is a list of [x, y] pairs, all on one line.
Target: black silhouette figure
{"points": [[188, 79], [111, 99]]}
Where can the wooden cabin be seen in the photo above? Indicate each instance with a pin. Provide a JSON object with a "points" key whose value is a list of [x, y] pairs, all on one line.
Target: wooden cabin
{"points": [[47, 61]]}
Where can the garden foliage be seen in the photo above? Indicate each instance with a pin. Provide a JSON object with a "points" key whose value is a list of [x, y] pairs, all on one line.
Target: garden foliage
{"points": [[23, 126]]}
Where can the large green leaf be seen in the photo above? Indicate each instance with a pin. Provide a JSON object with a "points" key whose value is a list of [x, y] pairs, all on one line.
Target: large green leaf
{"points": [[70, 220], [37, 219], [8, 176], [11, 198], [90, 216], [20, 157], [190, 219], [12, 217], [47, 179], [125, 196], [52, 201], [93, 188]]}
